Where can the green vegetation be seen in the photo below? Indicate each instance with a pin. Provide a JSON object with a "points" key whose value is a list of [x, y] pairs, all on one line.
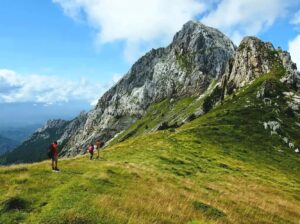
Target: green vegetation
{"points": [[210, 211], [212, 99], [223, 167]]}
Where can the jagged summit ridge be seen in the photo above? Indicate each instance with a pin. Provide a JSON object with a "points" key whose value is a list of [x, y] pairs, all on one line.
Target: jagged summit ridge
{"points": [[53, 123]]}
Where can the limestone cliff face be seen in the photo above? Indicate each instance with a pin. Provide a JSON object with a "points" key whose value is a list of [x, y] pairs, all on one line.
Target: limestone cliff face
{"points": [[292, 77], [197, 55]]}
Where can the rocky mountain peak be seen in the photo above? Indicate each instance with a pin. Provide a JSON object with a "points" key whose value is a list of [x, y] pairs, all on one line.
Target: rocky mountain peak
{"points": [[197, 36], [205, 45]]}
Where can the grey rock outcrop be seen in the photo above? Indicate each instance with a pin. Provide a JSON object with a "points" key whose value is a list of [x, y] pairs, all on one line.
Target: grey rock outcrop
{"points": [[251, 60], [254, 58], [72, 129], [197, 55], [292, 77]]}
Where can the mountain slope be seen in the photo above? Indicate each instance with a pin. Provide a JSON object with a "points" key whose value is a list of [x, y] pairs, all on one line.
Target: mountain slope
{"points": [[197, 55], [198, 69], [253, 59], [218, 168]]}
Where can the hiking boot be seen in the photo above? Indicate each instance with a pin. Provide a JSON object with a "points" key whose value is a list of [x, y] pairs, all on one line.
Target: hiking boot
{"points": [[57, 169]]}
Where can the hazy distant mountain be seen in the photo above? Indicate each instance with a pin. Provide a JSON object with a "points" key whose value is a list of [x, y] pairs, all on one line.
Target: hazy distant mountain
{"points": [[19, 134], [6, 144]]}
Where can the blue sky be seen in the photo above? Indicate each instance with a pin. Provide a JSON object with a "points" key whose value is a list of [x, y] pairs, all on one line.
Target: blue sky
{"points": [[59, 51], [36, 37]]}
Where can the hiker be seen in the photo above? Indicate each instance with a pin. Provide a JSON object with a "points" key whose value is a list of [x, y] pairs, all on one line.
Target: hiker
{"points": [[54, 156], [99, 144], [91, 150]]}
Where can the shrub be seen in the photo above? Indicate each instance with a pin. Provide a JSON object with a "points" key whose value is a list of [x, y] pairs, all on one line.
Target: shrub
{"points": [[14, 203], [213, 98]]}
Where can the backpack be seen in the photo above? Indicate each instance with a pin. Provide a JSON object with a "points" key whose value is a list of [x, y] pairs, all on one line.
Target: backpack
{"points": [[101, 144], [91, 149], [50, 151]]}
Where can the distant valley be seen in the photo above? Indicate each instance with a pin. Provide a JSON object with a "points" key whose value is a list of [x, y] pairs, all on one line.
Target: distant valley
{"points": [[6, 144]]}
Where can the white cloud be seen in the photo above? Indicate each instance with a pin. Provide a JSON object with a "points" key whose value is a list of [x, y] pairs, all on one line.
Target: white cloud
{"points": [[137, 22], [294, 49], [246, 17], [296, 18], [15, 87]]}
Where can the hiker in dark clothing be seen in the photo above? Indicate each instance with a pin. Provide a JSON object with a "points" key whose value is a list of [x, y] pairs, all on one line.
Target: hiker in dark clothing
{"points": [[54, 156], [91, 151], [99, 144]]}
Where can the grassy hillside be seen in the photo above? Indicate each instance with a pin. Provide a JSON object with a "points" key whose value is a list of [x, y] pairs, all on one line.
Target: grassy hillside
{"points": [[223, 167]]}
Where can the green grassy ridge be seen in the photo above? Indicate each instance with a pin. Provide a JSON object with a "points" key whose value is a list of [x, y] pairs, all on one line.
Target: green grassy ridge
{"points": [[218, 168]]}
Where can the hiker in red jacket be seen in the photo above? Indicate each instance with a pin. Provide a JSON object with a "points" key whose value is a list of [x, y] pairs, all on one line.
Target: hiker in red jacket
{"points": [[54, 157]]}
